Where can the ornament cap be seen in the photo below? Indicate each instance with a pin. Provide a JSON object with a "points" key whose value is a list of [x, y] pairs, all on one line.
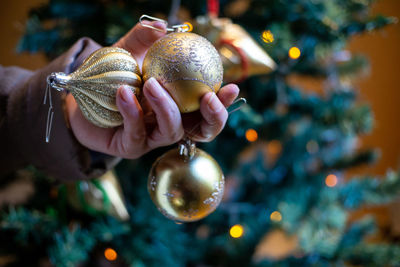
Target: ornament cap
{"points": [[187, 148], [58, 80]]}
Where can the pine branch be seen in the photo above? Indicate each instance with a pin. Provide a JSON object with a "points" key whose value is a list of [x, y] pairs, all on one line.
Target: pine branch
{"points": [[370, 190]]}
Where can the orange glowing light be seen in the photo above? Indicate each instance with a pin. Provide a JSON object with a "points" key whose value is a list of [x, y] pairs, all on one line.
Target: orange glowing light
{"points": [[274, 147], [251, 135], [110, 254], [276, 216], [294, 52], [331, 180], [189, 26], [267, 36], [236, 231]]}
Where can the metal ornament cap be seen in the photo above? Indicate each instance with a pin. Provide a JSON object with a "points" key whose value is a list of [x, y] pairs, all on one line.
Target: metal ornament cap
{"points": [[187, 65], [186, 188]]}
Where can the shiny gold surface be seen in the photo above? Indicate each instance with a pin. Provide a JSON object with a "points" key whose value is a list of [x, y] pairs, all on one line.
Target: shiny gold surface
{"points": [[100, 195], [184, 188], [233, 43], [187, 65], [95, 83]]}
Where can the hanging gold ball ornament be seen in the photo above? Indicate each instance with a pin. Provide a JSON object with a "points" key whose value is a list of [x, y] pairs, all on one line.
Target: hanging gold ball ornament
{"points": [[95, 83], [187, 65], [186, 186]]}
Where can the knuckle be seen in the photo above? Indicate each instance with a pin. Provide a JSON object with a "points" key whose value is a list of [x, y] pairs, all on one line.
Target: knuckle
{"points": [[175, 136]]}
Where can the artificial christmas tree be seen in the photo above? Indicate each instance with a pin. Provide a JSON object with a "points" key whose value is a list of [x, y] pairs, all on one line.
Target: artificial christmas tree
{"points": [[284, 154]]}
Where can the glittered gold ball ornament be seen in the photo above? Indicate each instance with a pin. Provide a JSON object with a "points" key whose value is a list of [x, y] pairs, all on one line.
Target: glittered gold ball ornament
{"points": [[184, 186], [187, 65], [95, 83]]}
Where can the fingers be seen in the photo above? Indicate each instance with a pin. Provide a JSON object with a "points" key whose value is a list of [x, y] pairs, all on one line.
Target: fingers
{"points": [[129, 141], [228, 94], [214, 113], [169, 127], [214, 118], [139, 39]]}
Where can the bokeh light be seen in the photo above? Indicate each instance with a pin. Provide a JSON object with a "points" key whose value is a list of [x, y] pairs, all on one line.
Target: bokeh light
{"points": [[294, 52], [312, 147], [274, 147], [236, 231], [110, 254], [189, 25], [251, 135], [276, 216], [267, 36], [331, 180]]}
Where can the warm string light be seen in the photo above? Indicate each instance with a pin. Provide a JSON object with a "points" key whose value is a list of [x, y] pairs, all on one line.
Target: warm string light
{"points": [[267, 36], [110, 254], [236, 231], [276, 216], [294, 52], [189, 25], [274, 147], [251, 135], [331, 180]]}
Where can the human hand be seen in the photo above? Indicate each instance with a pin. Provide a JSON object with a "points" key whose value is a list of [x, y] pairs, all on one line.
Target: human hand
{"points": [[156, 121]]}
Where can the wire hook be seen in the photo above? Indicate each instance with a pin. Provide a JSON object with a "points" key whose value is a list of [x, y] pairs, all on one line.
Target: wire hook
{"points": [[174, 28]]}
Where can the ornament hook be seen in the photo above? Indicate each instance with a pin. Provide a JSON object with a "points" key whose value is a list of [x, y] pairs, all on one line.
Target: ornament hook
{"points": [[55, 80], [50, 112], [236, 105], [174, 28]]}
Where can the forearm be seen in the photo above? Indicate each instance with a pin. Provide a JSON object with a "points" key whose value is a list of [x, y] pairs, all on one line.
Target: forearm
{"points": [[23, 122]]}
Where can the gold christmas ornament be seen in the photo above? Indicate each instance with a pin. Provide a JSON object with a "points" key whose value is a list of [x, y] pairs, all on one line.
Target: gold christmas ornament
{"points": [[186, 184], [240, 54], [94, 84], [187, 65], [98, 196]]}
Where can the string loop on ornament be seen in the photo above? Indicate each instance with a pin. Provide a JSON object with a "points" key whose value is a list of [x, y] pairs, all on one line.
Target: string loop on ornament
{"points": [[174, 28]]}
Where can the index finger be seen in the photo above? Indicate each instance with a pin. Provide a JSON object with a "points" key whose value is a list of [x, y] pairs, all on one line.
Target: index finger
{"points": [[139, 39]]}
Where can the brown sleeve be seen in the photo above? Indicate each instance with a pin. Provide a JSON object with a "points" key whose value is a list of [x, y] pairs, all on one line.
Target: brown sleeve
{"points": [[23, 122]]}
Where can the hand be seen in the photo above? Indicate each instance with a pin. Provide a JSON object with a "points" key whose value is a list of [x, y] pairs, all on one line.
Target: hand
{"points": [[156, 121]]}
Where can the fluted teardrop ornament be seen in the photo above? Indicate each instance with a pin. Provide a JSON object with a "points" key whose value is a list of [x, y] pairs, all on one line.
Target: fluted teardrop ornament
{"points": [[94, 84]]}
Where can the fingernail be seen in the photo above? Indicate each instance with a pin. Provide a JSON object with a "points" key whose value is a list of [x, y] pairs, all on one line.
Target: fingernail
{"points": [[213, 103], [154, 88], [126, 94], [159, 25]]}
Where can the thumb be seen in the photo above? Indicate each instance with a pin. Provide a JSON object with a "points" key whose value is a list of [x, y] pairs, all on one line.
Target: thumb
{"points": [[139, 39]]}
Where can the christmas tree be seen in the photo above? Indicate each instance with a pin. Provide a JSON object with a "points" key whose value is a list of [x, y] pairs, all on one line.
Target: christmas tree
{"points": [[284, 153]]}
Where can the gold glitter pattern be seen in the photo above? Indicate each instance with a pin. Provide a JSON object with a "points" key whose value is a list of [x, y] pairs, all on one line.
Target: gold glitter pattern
{"points": [[187, 65]]}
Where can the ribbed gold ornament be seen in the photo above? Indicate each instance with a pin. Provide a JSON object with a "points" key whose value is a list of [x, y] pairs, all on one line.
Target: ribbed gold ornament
{"points": [[187, 65], [186, 187], [94, 84]]}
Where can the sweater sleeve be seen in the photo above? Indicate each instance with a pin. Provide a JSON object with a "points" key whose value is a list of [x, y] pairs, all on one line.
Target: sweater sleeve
{"points": [[23, 122]]}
